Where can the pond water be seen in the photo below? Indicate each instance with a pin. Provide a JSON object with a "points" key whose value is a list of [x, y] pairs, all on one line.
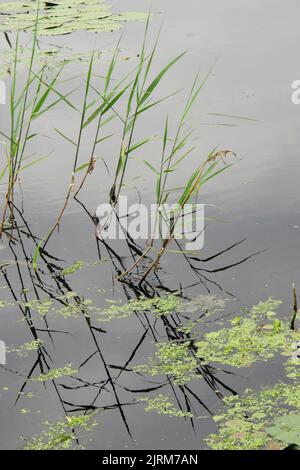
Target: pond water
{"points": [[253, 51]]}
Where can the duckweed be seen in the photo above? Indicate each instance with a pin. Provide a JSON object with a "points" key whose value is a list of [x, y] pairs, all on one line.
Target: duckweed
{"points": [[162, 405], [25, 348], [165, 305], [62, 434], [72, 269], [173, 360], [255, 336], [158, 306], [243, 425], [54, 374]]}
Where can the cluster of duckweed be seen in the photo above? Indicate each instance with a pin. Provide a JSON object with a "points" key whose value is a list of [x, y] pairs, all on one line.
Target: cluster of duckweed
{"points": [[54, 374], [158, 306], [173, 360], [266, 308], [164, 306], [79, 265], [4, 304], [72, 269], [63, 17], [74, 305], [62, 434], [72, 309], [191, 326], [162, 405], [292, 368], [256, 335], [27, 395], [42, 306], [244, 423], [26, 348]]}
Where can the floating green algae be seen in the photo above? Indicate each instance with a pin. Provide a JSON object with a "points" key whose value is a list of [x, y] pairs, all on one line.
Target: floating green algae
{"points": [[158, 305], [72, 310], [42, 306], [72, 269], [63, 16], [4, 304], [77, 265], [173, 360], [292, 368], [164, 306], [54, 374], [62, 434], [256, 335], [162, 405], [73, 305], [244, 425], [26, 348]]}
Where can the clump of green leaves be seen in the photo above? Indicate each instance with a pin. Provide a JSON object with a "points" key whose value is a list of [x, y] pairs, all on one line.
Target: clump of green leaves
{"points": [[63, 16], [79, 265], [162, 405], [42, 306], [158, 306], [62, 434], [25, 348], [166, 305], [54, 374], [76, 307], [286, 429], [243, 425], [73, 304], [174, 360], [266, 308], [292, 369], [256, 335], [72, 269]]}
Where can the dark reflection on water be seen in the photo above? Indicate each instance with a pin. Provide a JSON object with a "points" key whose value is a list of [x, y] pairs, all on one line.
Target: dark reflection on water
{"points": [[106, 379]]}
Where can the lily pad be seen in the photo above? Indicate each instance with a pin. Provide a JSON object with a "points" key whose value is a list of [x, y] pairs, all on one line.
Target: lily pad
{"points": [[286, 429], [63, 16], [245, 421]]}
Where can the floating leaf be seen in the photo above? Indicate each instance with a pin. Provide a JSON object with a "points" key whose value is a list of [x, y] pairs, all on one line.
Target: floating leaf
{"points": [[63, 17], [286, 429], [244, 425]]}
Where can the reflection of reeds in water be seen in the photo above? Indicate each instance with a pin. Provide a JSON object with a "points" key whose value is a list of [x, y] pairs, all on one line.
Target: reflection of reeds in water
{"points": [[28, 287]]}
